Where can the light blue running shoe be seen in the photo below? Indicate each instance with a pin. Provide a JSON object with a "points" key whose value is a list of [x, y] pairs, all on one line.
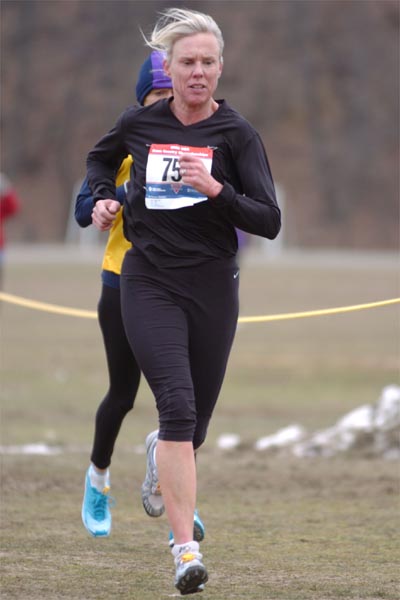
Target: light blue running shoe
{"points": [[199, 530], [191, 574], [96, 514]]}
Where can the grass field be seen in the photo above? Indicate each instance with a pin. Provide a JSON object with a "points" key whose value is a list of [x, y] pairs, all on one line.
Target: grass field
{"points": [[278, 528]]}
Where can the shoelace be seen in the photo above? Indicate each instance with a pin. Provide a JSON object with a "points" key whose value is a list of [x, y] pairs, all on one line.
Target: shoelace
{"points": [[101, 501]]}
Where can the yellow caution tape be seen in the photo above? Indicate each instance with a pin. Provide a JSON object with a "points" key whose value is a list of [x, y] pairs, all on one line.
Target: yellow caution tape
{"points": [[317, 313], [89, 314], [44, 306]]}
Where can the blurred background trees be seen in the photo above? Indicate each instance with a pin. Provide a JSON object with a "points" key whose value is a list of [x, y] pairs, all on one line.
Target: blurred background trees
{"points": [[318, 78]]}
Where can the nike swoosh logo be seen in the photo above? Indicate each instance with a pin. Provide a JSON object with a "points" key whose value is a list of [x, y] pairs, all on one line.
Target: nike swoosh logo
{"points": [[236, 275]]}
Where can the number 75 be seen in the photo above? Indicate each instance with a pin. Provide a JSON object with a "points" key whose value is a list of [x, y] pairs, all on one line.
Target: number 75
{"points": [[171, 170]]}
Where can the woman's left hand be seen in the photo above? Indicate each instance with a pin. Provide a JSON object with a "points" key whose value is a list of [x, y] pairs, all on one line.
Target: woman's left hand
{"points": [[194, 173]]}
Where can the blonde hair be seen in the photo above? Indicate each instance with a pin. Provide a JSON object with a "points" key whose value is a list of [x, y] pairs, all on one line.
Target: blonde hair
{"points": [[176, 23]]}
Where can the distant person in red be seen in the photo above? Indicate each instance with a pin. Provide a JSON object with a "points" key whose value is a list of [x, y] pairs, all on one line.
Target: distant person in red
{"points": [[9, 206]]}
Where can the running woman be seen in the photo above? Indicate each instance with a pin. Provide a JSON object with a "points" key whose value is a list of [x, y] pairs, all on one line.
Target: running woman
{"points": [[200, 170]]}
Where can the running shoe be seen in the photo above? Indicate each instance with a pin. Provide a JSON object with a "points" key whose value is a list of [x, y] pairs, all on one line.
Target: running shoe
{"points": [[96, 514], [152, 499], [199, 530], [191, 574]]}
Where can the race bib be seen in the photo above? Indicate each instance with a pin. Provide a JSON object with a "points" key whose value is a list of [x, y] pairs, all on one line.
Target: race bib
{"points": [[164, 187]]}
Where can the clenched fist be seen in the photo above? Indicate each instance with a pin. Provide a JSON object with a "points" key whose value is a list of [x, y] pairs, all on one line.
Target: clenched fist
{"points": [[104, 213]]}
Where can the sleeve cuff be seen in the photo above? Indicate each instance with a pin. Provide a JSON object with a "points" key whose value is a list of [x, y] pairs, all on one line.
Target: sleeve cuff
{"points": [[226, 197]]}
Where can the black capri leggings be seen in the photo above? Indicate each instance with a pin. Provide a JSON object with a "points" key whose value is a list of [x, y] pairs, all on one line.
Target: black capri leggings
{"points": [[181, 323]]}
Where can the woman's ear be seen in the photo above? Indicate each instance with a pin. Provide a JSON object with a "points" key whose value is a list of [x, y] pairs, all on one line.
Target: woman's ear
{"points": [[166, 68]]}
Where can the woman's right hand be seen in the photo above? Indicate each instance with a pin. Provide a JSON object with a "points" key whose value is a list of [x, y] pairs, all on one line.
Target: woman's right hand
{"points": [[104, 213]]}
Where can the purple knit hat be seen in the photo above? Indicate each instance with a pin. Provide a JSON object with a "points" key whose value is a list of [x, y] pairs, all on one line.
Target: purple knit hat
{"points": [[152, 76]]}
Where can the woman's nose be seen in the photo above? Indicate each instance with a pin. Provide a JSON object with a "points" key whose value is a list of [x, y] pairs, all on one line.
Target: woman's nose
{"points": [[198, 68]]}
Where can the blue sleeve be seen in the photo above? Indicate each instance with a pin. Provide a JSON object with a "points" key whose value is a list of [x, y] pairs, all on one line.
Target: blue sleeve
{"points": [[84, 205], [121, 194]]}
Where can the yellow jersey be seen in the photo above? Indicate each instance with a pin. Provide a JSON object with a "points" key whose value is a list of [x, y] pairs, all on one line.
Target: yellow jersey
{"points": [[117, 244]]}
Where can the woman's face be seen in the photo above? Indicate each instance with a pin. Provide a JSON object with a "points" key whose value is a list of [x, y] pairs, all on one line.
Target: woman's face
{"points": [[194, 68]]}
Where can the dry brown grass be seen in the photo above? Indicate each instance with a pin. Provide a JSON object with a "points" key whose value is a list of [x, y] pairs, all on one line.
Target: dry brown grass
{"points": [[278, 528]]}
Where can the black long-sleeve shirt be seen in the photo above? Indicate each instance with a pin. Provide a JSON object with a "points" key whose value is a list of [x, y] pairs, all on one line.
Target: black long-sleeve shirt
{"points": [[205, 231]]}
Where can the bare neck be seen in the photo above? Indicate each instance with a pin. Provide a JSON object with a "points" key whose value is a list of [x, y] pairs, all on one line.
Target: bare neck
{"points": [[188, 115]]}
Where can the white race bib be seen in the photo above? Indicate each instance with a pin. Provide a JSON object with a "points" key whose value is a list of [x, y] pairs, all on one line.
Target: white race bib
{"points": [[164, 187]]}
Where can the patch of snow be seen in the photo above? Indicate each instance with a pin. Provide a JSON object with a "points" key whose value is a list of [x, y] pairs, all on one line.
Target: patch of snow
{"points": [[280, 439], [228, 441], [39, 449]]}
